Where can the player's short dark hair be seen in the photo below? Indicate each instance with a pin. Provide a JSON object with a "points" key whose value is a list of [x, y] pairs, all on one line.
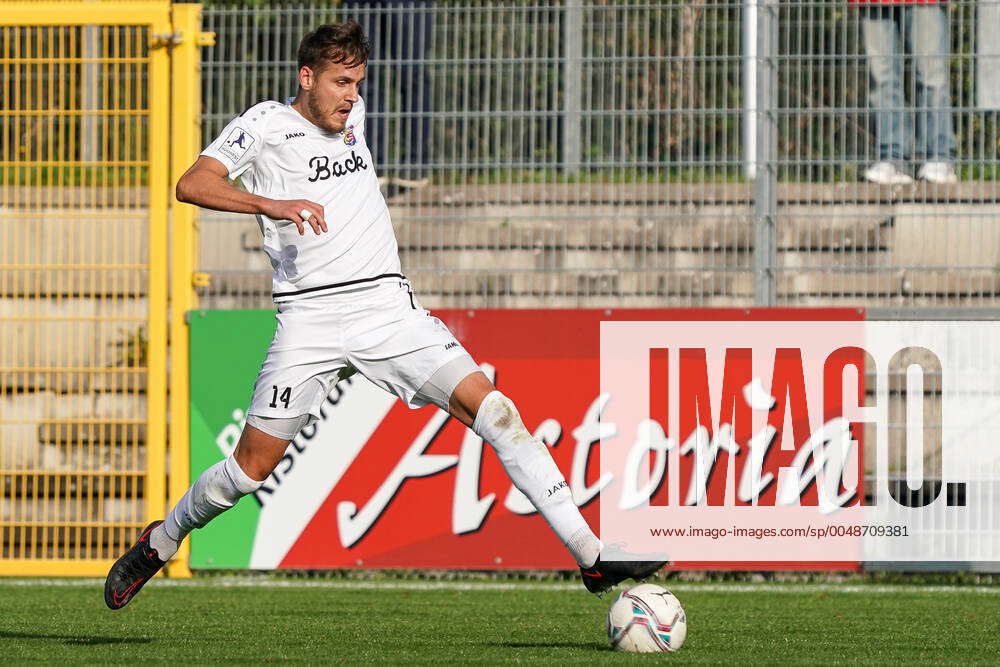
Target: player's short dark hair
{"points": [[334, 43]]}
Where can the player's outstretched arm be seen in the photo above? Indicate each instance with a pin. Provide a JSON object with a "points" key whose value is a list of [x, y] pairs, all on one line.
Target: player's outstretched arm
{"points": [[206, 184]]}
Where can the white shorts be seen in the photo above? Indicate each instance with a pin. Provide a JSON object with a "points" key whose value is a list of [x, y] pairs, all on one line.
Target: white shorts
{"points": [[381, 331]]}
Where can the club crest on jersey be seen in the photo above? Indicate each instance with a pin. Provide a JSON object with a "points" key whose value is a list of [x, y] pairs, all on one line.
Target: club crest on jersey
{"points": [[349, 138]]}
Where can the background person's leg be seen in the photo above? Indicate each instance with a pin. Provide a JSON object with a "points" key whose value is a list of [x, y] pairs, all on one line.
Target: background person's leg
{"points": [[883, 47], [373, 17], [415, 25], [931, 46]]}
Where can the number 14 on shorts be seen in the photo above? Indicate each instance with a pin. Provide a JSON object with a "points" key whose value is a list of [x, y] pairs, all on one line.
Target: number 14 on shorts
{"points": [[286, 395]]}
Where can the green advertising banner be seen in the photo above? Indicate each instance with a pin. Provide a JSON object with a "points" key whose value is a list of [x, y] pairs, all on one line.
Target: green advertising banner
{"points": [[227, 348]]}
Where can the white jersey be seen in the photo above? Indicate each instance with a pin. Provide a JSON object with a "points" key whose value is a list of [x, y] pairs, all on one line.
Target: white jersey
{"points": [[278, 154]]}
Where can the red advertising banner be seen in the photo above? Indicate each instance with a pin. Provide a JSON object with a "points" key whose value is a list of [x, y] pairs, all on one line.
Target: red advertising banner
{"points": [[415, 489]]}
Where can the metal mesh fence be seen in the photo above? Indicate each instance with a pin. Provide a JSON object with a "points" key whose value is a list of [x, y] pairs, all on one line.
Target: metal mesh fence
{"points": [[537, 193], [671, 153]]}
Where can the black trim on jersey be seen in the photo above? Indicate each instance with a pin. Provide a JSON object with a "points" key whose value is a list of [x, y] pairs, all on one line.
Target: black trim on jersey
{"points": [[344, 284], [410, 290]]}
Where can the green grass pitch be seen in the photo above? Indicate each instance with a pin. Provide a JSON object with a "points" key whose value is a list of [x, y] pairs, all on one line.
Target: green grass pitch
{"points": [[255, 620]]}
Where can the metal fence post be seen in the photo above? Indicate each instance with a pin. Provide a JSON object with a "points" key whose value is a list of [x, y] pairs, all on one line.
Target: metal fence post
{"points": [[749, 137], [572, 85], [765, 173], [185, 124]]}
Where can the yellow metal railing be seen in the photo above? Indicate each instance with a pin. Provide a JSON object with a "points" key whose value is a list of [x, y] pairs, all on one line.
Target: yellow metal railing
{"points": [[186, 143], [98, 111]]}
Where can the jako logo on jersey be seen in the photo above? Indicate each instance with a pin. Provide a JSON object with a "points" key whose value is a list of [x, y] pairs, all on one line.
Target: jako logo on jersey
{"points": [[561, 485], [325, 170], [451, 345], [349, 136], [292, 135]]}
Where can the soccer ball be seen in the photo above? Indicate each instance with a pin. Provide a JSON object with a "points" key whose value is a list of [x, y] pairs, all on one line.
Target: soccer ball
{"points": [[646, 619]]}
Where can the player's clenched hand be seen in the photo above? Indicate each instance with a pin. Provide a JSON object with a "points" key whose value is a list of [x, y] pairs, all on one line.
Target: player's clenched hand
{"points": [[299, 211]]}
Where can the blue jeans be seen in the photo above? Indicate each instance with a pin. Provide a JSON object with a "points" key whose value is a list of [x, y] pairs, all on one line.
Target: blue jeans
{"points": [[923, 31], [400, 34]]}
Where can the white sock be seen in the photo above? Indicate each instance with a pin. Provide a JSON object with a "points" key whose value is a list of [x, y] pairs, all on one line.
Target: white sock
{"points": [[165, 545], [532, 470], [215, 491]]}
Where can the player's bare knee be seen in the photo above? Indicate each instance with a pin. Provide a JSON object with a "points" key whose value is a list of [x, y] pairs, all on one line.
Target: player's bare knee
{"points": [[458, 387], [256, 464], [264, 441], [467, 398]]}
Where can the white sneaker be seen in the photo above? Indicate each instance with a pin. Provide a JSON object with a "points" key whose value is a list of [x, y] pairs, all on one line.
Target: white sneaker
{"points": [[938, 172], [413, 182], [886, 173]]}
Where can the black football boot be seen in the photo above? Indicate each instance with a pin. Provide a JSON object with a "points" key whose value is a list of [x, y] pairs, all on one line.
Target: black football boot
{"points": [[132, 571], [601, 576]]}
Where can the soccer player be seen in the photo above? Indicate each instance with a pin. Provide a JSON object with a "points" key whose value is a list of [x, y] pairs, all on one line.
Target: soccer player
{"points": [[343, 306]]}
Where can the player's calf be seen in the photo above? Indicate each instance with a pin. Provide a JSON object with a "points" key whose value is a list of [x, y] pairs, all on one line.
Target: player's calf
{"points": [[216, 490], [532, 470]]}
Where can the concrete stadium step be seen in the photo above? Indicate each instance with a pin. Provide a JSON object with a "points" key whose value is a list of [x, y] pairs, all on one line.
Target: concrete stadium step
{"points": [[580, 283], [569, 260], [67, 540], [557, 301], [68, 508], [602, 227], [237, 289], [79, 283], [595, 227], [74, 197], [867, 284], [50, 431], [666, 283], [848, 259], [74, 252], [896, 446], [75, 381], [889, 249], [860, 229], [953, 237], [465, 194], [899, 302], [497, 286], [860, 286], [124, 485], [660, 193], [68, 344], [230, 242], [476, 289], [116, 434], [955, 282]]}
